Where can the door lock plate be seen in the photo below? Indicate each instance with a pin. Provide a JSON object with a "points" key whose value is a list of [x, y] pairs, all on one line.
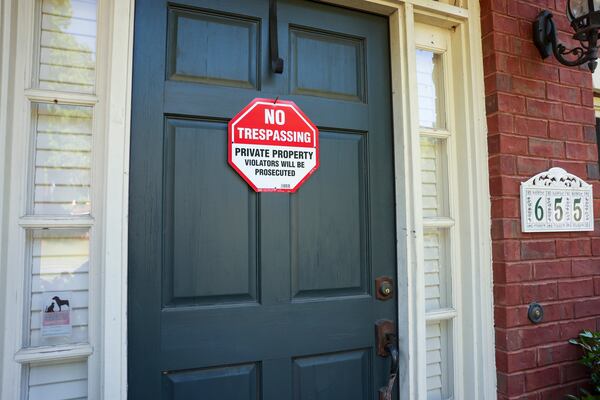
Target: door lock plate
{"points": [[385, 330], [384, 288]]}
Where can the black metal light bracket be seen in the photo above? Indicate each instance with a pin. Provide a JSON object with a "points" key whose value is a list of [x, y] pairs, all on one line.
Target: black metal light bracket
{"points": [[586, 32], [276, 62]]}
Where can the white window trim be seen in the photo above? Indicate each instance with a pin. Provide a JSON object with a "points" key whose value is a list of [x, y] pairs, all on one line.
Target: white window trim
{"points": [[23, 14], [111, 381]]}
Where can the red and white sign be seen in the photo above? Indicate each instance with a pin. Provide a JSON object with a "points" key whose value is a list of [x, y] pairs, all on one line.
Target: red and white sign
{"points": [[273, 145]]}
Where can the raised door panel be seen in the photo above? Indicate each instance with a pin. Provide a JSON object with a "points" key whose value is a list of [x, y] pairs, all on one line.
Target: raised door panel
{"points": [[211, 219], [328, 225], [212, 48], [239, 382]]}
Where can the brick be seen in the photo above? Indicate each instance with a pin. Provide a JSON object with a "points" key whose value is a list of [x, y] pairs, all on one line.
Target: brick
{"points": [[512, 272], [507, 208], [504, 186], [573, 247], [587, 308], [546, 291], [511, 385], [574, 167], [571, 329], [542, 109], [558, 392], [564, 131], [531, 126], [507, 295], [597, 286], [596, 246], [507, 250], [557, 312], [557, 353], [515, 361], [587, 97], [574, 371], [578, 114], [586, 267], [511, 317], [546, 148], [500, 123], [513, 104], [532, 250], [589, 134], [528, 87], [562, 93], [505, 24], [552, 269], [509, 144], [525, 49], [574, 289], [522, 338], [592, 171], [582, 151], [542, 378], [541, 71], [506, 229], [531, 166], [571, 76], [502, 165], [509, 64]]}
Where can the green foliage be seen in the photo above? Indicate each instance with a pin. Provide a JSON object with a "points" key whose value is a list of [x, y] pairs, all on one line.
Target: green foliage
{"points": [[590, 343]]}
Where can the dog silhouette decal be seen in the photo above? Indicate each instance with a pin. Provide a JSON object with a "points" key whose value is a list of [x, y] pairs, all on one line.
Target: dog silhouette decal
{"points": [[59, 302]]}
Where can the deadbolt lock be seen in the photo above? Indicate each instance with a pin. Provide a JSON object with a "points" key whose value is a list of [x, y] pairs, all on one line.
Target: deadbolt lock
{"points": [[384, 288]]}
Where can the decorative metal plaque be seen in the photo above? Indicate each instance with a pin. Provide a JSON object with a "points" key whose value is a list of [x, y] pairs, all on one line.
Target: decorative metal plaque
{"points": [[556, 201]]}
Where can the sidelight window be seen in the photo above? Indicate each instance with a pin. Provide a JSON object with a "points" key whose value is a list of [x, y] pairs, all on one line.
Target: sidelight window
{"points": [[438, 266], [58, 228]]}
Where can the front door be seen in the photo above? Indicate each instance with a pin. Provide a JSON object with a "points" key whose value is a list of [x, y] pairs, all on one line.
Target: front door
{"points": [[236, 295]]}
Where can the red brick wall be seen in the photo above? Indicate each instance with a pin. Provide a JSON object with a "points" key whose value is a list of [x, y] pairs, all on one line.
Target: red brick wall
{"points": [[539, 114]]}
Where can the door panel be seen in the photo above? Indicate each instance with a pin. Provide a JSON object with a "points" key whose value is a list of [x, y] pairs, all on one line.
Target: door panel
{"points": [[239, 295]]}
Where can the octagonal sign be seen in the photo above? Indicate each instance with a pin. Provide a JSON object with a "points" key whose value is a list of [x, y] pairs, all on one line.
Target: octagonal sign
{"points": [[273, 145]]}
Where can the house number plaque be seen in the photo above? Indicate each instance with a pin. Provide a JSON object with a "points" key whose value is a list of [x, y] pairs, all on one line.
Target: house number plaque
{"points": [[556, 201]]}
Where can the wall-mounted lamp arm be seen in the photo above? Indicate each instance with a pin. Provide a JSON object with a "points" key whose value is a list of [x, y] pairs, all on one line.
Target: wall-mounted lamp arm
{"points": [[546, 41]]}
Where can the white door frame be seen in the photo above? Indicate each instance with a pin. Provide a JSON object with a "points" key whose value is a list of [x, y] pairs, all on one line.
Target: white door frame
{"points": [[402, 16]]}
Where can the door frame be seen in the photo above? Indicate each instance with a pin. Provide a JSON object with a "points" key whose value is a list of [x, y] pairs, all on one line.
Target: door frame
{"points": [[112, 299]]}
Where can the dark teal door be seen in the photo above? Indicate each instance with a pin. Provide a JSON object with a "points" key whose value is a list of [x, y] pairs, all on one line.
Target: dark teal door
{"points": [[238, 295]]}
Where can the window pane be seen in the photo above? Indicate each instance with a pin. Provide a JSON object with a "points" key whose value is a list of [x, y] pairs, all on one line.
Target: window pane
{"points": [[430, 89], [59, 268], [438, 282], [433, 177], [67, 54], [439, 361], [64, 381], [62, 169]]}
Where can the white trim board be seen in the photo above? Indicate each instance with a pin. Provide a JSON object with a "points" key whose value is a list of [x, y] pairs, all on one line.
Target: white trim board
{"points": [[480, 379]]}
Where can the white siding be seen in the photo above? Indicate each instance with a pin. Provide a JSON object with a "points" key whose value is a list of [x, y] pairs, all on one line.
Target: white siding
{"points": [[437, 361], [67, 55], [58, 381], [435, 276], [59, 262], [63, 148], [432, 179]]}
